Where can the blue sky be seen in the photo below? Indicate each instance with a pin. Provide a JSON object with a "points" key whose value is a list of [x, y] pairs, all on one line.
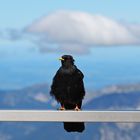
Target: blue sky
{"points": [[17, 13], [33, 33]]}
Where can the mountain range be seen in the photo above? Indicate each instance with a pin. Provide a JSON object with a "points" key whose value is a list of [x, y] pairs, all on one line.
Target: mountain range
{"points": [[116, 97]]}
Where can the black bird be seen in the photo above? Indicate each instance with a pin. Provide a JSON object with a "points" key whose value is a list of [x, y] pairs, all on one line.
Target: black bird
{"points": [[68, 89]]}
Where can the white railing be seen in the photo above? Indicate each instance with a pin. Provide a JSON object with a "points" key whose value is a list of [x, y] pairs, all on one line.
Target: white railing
{"points": [[69, 116]]}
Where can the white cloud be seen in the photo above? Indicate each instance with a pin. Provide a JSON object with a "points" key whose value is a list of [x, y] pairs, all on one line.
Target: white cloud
{"points": [[126, 126], [11, 34], [54, 103], [29, 129], [41, 97], [109, 133], [81, 28], [77, 32], [5, 136]]}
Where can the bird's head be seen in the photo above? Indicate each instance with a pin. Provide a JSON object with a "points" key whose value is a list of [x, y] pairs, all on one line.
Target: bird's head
{"points": [[67, 61]]}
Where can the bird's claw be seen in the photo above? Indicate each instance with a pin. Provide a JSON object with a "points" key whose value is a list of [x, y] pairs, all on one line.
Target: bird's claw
{"points": [[77, 108], [61, 108]]}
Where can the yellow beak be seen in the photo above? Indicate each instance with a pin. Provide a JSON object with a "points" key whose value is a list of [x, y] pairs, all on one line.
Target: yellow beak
{"points": [[61, 59]]}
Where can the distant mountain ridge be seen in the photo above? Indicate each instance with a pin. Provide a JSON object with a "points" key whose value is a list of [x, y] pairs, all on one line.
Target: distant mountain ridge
{"points": [[114, 89], [118, 97]]}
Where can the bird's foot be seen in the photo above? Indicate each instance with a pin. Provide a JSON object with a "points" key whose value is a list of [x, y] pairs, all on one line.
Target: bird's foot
{"points": [[77, 108], [61, 108]]}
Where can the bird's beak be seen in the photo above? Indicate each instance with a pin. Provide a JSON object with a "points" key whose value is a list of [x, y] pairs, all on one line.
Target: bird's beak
{"points": [[61, 59]]}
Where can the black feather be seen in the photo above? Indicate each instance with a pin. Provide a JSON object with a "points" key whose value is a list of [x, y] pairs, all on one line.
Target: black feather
{"points": [[68, 86]]}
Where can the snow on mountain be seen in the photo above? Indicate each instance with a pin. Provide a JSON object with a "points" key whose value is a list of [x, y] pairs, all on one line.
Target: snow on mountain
{"points": [[114, 89]]}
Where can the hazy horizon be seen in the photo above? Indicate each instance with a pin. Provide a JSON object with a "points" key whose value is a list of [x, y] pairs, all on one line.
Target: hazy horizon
{"points": [[102, 67]]}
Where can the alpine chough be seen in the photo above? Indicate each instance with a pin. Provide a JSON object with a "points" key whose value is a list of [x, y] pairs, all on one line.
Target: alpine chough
{"points": [[68, 89]]}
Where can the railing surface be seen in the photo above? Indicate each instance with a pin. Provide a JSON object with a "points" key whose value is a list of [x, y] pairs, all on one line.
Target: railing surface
{"points": [[69, 116]]}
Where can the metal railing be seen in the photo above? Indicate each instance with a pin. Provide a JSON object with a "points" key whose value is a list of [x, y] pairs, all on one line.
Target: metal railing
{"points": [[69, 116]]}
